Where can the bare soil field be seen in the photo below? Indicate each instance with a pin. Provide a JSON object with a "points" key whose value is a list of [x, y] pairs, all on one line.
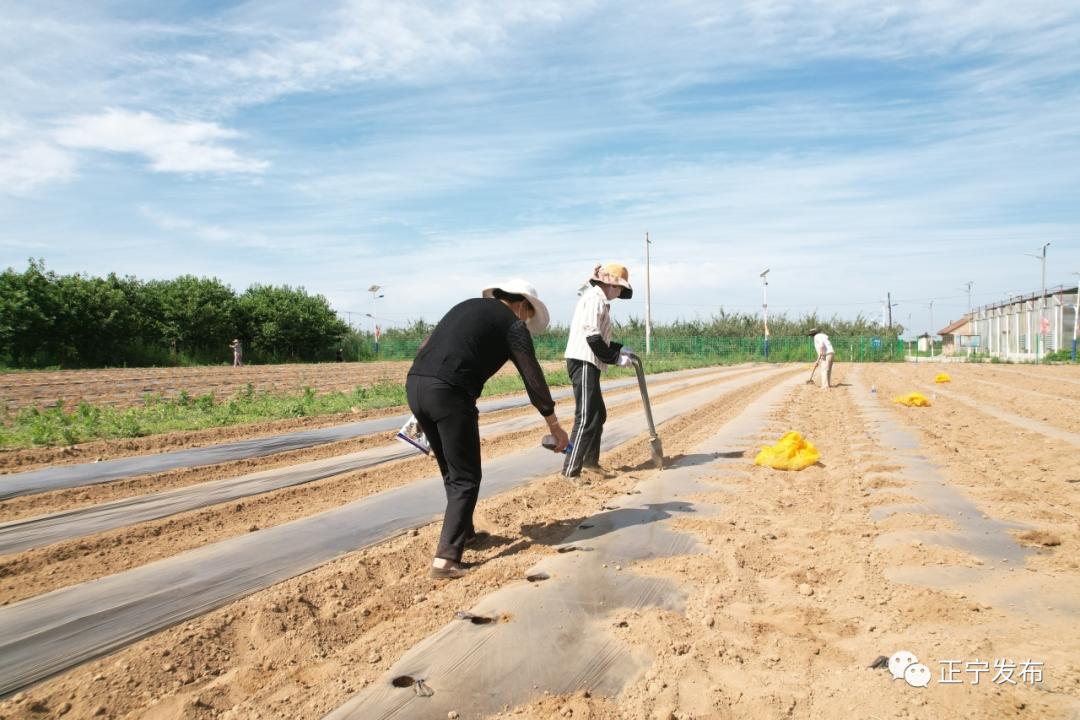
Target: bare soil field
{"points": [[116, 387], [127, 386], [949, 531]]}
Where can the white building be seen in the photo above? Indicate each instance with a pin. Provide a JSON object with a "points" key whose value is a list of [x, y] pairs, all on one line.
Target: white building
{"points": [[1011, 329]]}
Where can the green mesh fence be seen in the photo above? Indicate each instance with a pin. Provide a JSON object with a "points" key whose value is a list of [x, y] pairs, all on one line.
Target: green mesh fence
{"points": [[723, 349]]}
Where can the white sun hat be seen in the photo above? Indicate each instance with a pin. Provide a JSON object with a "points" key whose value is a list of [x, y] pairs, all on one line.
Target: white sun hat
{"points": [[539, 321]]}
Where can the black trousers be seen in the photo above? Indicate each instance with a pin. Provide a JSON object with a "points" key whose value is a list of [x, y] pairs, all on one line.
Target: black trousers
{"points": [[449, 419], [589, 417]]}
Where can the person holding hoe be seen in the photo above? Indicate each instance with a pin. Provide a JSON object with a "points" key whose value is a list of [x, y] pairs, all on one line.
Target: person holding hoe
{"points": [[825, 356], [469, 345], [589, 350]]}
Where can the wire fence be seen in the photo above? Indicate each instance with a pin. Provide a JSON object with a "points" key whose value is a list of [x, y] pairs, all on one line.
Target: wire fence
{"points": [[722, 349]]}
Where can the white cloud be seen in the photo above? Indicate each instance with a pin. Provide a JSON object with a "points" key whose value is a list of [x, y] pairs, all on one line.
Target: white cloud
{"points": [[209, 232], [24, 168], [170, 146], [362, 40]]}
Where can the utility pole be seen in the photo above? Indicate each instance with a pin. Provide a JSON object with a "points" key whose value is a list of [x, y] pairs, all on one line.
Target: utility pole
{"points": [[648, 298], [969, 284], [970, 319], [888, 305], [765, 305], [1042, 307], [374, 289], [1076, 317], [932, 328]]}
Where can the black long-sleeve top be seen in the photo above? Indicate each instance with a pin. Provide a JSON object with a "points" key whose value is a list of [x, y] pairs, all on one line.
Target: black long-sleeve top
{"points": [[476, 338]]}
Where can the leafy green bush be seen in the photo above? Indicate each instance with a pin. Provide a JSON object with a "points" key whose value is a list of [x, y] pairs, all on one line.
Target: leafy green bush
{"points": [[78, 320]]}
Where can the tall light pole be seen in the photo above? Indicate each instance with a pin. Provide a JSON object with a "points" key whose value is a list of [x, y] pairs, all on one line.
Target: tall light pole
{"points": [[915, 341], [1042, 305], [889, 305], [932, 328], [765, 306], [971, 320], [967, 288], [374, 289], [648, 298], [1076, 314]]}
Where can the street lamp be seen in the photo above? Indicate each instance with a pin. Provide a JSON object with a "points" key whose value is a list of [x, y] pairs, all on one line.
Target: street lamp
{"points": [[374, 289], [1042, 307], [932, 333], [1076, 314], [971, 320], [886, 311], [968, 290], [648, 298], [765, 306]]}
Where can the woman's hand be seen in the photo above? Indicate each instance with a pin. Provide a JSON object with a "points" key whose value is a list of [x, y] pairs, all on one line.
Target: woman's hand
{"points": [[556, 431], [561, 438]]}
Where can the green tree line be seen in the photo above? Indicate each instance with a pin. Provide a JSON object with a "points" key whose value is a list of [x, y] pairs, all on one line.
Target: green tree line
{"points": [[48, 319], [726, 336]]}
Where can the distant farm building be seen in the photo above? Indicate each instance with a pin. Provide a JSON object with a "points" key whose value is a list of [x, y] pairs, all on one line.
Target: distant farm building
{"points": [[1011, 329], [959, 337]]}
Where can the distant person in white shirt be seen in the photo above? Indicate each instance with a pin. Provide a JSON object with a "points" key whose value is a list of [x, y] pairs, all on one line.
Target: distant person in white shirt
{"points": [[237, 353], [589, 350], [825, 355]]}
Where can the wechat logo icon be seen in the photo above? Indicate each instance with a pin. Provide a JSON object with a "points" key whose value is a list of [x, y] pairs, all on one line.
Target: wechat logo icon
{"points": [[904, 664]]}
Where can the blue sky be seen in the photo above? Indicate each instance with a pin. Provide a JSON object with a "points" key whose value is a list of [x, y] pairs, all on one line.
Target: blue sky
{"points": [[433, 148]]}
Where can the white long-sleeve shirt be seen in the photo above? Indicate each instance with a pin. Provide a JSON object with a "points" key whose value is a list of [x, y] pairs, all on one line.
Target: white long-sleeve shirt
{"points": [[822, 345], [592, 316]]}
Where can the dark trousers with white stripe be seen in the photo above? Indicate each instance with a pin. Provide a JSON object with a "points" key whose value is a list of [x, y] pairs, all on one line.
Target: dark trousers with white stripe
{"points": [[449, 419], [589, 417]]}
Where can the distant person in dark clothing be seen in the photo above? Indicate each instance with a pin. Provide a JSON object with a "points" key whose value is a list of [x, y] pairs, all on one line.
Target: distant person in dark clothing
{"points": [[468, 346], [339, 355]]}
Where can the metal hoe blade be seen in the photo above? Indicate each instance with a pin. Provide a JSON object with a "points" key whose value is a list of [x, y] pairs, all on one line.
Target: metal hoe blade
{"points": [[654, 439]]}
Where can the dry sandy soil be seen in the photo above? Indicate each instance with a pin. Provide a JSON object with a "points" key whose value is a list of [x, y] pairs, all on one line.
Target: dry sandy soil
{"points": [[803, 580], [128, 386]]}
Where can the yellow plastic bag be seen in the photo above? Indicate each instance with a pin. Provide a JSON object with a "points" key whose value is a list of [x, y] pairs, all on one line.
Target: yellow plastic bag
{"points": [[912, 399], [792, 452], [942, 378]]}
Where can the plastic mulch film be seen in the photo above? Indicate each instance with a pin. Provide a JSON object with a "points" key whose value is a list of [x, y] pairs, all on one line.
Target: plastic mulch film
{"points": [[912, 399], [792, 452], [67, 476], [942, 378], [556, 632], [26, 533], [46, 634]]}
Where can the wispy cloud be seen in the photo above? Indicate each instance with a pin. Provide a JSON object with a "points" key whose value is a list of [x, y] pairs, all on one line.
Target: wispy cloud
{"points": [[851, 146], [25, 168], [208, 232], [186, 147]]}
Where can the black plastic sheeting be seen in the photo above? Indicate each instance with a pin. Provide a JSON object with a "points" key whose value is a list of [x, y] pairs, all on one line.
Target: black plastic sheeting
{"points": [[556, 635], [68, 476], [47, 634], [42, 530]]}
